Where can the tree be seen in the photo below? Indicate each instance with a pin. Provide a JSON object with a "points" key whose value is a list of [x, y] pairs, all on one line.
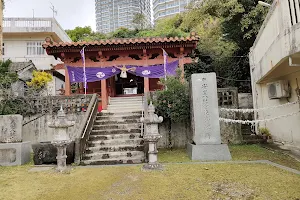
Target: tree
{"points": [[79, 33], [94, 36], [6, 77], [40, 80], [9, 104], [168, 27], [84, 34], [227, 30], [123, 33], [139, 21]]}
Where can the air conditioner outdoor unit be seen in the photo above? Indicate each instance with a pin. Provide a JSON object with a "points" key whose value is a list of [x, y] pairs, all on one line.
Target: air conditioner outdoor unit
{"points": [[278, 89]]}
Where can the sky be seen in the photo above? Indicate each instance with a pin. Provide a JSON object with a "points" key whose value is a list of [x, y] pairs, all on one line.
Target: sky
{"points": [[70, 13]]}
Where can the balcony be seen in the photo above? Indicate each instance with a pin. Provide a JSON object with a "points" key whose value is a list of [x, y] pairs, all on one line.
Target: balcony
{"points": [[35, 25], [276, 51]]}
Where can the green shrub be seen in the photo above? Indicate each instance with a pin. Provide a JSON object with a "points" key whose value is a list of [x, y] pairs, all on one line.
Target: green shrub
{"points": [[264, 131], [173, 102]]}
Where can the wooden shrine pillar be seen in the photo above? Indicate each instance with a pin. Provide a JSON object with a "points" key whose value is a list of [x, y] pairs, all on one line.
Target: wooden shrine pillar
{"points": [[181, 61], [104, 94], [146, 85], [67, 83], [146, 80], [81, 88]]}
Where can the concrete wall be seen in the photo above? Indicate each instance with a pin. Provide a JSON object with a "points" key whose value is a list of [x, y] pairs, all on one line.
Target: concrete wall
{"points": [[15, 49], [277, 43], [38, 130], [59, 84], [54, 86], [286, 129], [245, 100], [278, 38], [181, 133]]}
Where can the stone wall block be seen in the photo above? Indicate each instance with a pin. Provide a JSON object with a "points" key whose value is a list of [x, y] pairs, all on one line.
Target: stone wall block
{"points": [[11, 128]]}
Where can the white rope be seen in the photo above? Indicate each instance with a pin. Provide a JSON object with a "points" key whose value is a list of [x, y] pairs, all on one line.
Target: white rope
{"points": [[259, 109], [234, 121]]}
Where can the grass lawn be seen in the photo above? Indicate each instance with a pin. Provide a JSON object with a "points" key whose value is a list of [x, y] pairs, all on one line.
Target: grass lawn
{"points": [[177, 181], [238, 152]]}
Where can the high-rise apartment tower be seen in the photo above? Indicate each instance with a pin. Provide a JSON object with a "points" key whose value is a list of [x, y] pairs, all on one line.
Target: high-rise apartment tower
{"points": [[113, 14], [165, 8]]}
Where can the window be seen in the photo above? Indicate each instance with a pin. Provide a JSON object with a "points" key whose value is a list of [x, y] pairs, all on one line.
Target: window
{"points": [[35, 48]]}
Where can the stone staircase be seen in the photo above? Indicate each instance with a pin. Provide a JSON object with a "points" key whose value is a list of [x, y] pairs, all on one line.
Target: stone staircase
{"points": [[253, 139], [116, 134]]}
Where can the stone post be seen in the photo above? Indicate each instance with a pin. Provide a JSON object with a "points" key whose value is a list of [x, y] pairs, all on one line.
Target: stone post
{"points": [[61, 138], [206, 145], [151, 137]]}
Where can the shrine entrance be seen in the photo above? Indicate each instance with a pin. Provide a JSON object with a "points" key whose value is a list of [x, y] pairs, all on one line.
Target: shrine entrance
{"points": [[101, 58], [132, 85]]}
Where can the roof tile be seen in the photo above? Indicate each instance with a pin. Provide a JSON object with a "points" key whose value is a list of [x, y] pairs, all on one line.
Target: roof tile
{"points": [[193, 37]]}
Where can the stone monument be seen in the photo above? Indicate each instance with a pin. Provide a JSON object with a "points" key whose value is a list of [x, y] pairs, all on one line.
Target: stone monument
{"points": [[206, 137], [61, 138], [151, 138], [13, 151]]}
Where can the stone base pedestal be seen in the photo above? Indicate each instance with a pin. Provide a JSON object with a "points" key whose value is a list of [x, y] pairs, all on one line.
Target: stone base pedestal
{"points": [[208, 152], [61, 154], [152, 167], [14, 154]]}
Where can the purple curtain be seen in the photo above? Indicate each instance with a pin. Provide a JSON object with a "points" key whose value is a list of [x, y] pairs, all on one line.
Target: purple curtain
{"points": [[92, 74], [96, 73], [155, 71]]}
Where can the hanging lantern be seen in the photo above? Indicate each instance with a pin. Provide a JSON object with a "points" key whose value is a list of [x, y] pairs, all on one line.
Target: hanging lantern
{"points": [[124, 71]]}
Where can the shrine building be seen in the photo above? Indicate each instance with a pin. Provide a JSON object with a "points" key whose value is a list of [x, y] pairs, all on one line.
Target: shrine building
{"points": [[120, 67]]}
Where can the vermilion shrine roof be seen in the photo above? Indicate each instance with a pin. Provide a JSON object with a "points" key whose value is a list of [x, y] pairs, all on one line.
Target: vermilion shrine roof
{"points": [[150, 42]]}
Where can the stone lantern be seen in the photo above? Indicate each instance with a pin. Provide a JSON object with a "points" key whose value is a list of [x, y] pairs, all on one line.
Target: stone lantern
{"points": [[61, 138], [151, 137]]}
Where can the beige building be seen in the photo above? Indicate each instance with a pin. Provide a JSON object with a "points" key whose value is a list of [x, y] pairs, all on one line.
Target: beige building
{"points": [[22, 42], [275, 70]]}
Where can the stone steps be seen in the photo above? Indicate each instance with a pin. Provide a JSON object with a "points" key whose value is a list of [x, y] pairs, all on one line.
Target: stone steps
{"points": [[116, 142], [115, 131], [126, 98], [116, 121], [253, 139], [115, 155], [129, 104], [121, 110], [124, 160], [116, 148], [117, 126], [118, 118], [116, 134]]}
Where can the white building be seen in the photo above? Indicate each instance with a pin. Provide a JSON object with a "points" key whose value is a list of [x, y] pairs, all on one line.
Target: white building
{"points": [[23, 39], [275, 71], [113, 14], [166, 8]]}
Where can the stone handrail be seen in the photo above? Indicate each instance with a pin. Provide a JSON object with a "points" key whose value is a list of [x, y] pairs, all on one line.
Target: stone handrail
{"points": [[51, 104], [85, 128]]}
